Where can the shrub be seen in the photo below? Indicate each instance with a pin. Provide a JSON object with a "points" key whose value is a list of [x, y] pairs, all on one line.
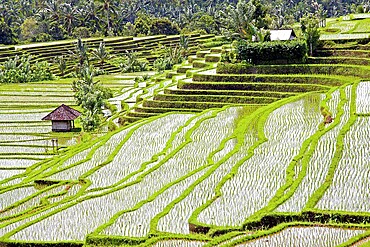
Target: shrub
{"points": [[163, 26], [228, 56], [7, 35], [81, 32], [20, 70], [130, 63], [172, 56], [262, 52], [42, 37], [162, 63]]}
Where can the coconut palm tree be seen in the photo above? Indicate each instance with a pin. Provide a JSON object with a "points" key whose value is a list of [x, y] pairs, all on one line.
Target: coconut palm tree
{"points": [[101, 54], [108, 10], [69, 15]]}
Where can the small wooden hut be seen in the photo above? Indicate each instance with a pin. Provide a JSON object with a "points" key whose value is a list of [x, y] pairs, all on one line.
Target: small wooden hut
{"points": [[62, 118]]}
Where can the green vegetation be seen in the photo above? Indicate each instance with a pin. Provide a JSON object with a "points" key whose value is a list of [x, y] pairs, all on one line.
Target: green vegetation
{"points": [[20, 70], [270, 52], [90, 95], [200, 142]]}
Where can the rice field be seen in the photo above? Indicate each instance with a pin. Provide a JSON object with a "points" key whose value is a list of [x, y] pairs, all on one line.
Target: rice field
{"points": [[349, 190], [265, 169], [235, 175], [305, 236], [162, 173], [342, 36]]}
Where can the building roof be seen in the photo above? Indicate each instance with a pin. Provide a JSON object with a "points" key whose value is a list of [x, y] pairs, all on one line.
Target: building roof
{"points": [[282, 34], [62, 113]]}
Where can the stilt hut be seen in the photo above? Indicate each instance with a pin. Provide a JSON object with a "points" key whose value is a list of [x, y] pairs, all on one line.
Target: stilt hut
{"points": [[62, 118]]}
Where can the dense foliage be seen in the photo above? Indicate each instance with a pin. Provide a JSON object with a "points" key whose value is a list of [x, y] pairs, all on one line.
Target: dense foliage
{"points": [[91, 96], [172, 56], [260, 52], [20, 70], [36, 20]]}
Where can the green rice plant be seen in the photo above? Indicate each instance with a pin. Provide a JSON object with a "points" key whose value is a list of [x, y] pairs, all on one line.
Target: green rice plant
{"points": [[264, 169], [136, 151], [11, 226], [333, 103], [24, 111], [343, 26], [362, 26], [362, 98], [6, 138], [78, 219], [176, 219], [12, 149], [174, 166], [27, 130], [37, 94], [340, 147], [23, 123], [178, 243], [360, 16], [9, 117], [318, 164], [349, 188], [16, 163], [155, 180], [100, 153], [25, 98], [126, 96], [120, 221], [30, 201], [139, 219], [305, 236], [352, 36], [12, 196]]}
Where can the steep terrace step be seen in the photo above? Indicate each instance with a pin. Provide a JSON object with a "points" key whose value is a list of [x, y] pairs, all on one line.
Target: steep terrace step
{"points": [[211, 76], [188, 104], [297, 69], [213, 58], [177, 91], [161, 110], [252, 86], [343, 53], [137, 114], [202, 54], [216, 98], [339, 60], [183, 69]]}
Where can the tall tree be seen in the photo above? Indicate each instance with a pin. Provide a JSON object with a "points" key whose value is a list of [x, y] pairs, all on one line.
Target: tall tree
{"points": [[91, 96], [310, 29]]}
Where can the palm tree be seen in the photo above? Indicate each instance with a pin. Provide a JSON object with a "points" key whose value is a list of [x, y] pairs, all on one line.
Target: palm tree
{"points": [[240, 20], [69, 17], [91, 16], [101, 54], [108, 9], [53, 10]]}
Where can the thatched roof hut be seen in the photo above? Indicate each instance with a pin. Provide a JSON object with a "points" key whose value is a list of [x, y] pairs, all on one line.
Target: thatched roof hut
{"points": [[62, 118]]}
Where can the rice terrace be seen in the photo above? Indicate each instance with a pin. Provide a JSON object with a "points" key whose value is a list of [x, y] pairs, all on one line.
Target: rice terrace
{"points": [[184, 123]]}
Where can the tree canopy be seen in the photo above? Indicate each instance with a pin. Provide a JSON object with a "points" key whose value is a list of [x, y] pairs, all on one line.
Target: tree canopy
{"points": [[40, 20]]}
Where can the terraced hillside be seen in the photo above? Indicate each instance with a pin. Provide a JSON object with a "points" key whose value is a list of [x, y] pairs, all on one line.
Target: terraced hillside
{"points": [[347, 28], [146, 47], [215, 155]]}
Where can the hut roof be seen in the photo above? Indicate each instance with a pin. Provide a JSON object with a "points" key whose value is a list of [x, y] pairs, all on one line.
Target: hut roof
{"points": [[62, 113], [282, 34]]}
